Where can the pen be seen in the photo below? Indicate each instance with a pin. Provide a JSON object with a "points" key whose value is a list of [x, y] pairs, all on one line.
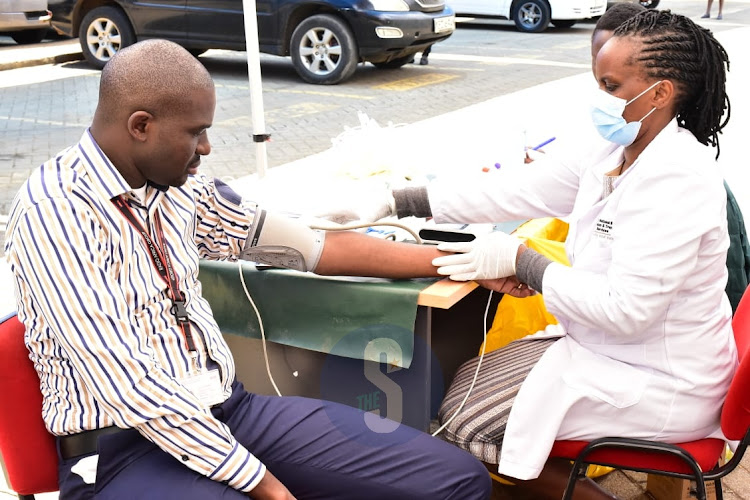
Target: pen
{"points": [[544, 143]]}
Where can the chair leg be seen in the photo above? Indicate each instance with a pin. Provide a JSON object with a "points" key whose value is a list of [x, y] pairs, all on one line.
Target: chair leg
{"points": [[577, 472], [700, 490], [25, 497], [717, 486]]}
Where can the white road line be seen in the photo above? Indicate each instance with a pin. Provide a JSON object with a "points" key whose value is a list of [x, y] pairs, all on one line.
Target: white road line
{"points": [[506, 60]]}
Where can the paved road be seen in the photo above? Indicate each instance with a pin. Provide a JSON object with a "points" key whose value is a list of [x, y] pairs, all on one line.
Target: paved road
{"points": [[44, 109]]}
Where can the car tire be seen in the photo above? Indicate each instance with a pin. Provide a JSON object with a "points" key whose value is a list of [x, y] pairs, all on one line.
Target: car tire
{"points": [[29, 36], [395, 63], [650, 4], [324, 50], [531, 16], [563, 23], [103, 32]]}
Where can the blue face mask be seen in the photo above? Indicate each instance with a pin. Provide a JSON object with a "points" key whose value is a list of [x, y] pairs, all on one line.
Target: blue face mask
{"points": [[606, 112]]}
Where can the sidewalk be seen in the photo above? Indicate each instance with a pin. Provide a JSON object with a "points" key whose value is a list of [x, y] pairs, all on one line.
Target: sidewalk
{"points": [[40, 53], [463, 138]]}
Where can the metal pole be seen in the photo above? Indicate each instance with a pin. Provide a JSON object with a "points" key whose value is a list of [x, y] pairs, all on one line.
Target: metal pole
{"points": [[256, 87]]}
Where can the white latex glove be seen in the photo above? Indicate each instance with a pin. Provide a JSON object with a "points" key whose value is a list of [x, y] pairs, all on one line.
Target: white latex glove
{"points": [[489, 256], [358, 202]]}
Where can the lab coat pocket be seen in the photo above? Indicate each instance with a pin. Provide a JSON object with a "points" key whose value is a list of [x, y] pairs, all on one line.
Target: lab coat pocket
{"points": [[599, 377]]}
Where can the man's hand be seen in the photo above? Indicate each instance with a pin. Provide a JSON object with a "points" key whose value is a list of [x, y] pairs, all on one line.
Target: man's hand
{"points": [[488, 257], [270, 488], [508, 286]]}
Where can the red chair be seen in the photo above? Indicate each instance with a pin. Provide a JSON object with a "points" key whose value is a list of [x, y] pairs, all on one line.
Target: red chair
{"points": [[28, 450], [684, 460]]}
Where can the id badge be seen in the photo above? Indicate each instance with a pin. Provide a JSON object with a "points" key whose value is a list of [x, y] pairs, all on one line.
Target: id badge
{"points": [[206, 386]]}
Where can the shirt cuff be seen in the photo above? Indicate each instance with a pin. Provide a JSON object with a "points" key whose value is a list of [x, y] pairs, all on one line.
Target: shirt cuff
{"points": [[240, 470]]}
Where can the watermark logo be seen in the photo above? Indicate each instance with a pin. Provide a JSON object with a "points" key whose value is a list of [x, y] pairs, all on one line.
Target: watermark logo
{"points": [[389, 374]]}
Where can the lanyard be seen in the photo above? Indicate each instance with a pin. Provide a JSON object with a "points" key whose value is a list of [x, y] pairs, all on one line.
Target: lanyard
{"points": [[163, 264]]}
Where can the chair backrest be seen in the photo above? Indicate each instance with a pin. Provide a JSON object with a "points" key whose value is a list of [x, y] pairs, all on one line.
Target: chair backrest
{"points": [[735, 415], [741, 324], [28, 450]]}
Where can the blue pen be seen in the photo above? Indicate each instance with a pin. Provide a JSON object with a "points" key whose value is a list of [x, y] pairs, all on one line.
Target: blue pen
{"points": [[544, 143]]}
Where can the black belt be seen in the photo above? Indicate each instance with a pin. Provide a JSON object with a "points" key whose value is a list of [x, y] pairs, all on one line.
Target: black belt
{"points": [[84, 443]]}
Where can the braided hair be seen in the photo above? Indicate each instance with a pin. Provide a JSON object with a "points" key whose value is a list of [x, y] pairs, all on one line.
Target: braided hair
{"points": [[677, 49], [618, 14]]}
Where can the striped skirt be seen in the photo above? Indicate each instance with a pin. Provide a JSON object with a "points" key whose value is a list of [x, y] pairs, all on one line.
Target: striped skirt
{"points": [[480, 426]]}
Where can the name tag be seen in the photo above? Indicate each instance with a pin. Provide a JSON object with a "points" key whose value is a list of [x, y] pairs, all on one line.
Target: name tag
{"points": [[603, 229], [206, 386]]}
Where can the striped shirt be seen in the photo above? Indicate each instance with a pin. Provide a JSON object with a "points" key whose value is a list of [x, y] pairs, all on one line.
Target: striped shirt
{"points": [[98, 317]]}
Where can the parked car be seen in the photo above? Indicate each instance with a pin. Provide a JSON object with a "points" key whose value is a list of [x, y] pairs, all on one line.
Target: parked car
{"points": [[325, 38], [26, 21], [532, 16]]}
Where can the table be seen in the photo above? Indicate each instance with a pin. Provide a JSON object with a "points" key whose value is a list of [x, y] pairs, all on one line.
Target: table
{"points": [[398, 361]]}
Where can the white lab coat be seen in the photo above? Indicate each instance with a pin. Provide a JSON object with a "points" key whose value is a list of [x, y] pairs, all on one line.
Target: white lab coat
{"points": [[648, 351]]}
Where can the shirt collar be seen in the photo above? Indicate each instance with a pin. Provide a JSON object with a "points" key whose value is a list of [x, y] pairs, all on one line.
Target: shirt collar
{"points": [[106, 179]]}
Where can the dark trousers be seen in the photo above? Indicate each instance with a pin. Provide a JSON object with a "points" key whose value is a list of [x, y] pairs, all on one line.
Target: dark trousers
{"points": [[316, 448]]}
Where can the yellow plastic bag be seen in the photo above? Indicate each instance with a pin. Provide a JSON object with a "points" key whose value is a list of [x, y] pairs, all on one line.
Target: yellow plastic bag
{"points": [[515, 318]]}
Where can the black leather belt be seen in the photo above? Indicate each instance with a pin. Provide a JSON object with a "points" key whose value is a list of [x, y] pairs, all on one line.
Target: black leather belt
{"points": [[84, 443]]}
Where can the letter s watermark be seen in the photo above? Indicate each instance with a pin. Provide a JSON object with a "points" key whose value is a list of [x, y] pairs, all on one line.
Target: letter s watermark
{"points": [[379, 351]]}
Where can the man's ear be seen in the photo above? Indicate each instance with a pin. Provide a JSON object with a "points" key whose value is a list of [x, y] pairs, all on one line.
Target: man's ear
{"points": [[140, 124], [665, 94]]}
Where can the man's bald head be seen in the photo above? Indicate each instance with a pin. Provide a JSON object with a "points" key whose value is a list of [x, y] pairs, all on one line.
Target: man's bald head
{"points": [[153, 76]]}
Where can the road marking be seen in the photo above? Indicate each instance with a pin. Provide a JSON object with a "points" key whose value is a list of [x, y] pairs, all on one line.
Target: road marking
{"points": [[304, 92], [281, 114], [46, 122], [416, 81], [298, 110], [507, 60], [326, 94]]}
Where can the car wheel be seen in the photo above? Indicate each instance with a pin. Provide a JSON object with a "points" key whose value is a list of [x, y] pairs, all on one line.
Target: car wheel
{"points": [[531, 16], [29, 36], [650, 4], [563, 23], [103, 32], [324, 50], [394, 63]]}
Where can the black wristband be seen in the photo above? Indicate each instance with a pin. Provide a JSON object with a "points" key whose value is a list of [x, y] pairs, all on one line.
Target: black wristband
{"points": [[530, 268], [412, 201]]}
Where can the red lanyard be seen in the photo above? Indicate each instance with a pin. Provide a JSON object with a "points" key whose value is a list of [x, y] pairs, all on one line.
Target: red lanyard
{"points": [[163, 265]]}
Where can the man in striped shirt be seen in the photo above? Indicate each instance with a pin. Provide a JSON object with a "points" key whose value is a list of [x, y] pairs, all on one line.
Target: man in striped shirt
{"points": [[138, 383]]}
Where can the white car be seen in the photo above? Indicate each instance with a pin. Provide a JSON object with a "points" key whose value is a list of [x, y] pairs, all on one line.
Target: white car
{"points": [[532, 16]]}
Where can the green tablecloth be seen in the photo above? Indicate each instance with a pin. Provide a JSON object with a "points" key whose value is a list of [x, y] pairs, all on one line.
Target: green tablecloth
{"points": [[331, 315]]}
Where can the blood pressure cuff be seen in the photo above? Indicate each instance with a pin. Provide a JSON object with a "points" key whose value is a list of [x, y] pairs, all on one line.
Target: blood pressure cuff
{"points": [[281, 241]]}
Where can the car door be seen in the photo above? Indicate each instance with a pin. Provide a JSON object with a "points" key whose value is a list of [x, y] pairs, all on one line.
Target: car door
{"points": [[158, 18], [218, 22], [481, 7]]}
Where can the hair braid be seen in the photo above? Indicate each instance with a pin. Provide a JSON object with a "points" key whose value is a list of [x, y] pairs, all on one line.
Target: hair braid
{"points": [[677, 49]]}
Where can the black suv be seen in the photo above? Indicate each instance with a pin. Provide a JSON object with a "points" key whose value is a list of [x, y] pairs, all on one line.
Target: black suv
{"points": [[326, 38]]}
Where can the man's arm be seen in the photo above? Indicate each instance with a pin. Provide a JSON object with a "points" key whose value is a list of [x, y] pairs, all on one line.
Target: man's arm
{"points": [[346, 253]]}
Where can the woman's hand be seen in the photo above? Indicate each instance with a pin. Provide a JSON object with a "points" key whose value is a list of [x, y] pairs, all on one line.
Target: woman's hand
{"points": [[488, 257], [509, 285]]}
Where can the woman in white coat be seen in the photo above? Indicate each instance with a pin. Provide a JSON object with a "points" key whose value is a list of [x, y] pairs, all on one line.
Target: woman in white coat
{"points": [[647, 350]]}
